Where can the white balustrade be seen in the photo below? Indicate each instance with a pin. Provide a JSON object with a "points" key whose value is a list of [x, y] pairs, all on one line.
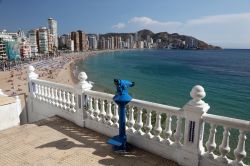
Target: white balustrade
{"points": [[102, 112], [224, 148], [59, 95]]}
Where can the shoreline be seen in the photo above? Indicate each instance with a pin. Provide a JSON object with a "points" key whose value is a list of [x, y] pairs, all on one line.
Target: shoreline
{"points": [[59, 69]]}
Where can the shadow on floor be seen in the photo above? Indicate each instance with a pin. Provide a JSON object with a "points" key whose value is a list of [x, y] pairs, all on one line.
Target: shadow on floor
{"points": [[96, 141]]}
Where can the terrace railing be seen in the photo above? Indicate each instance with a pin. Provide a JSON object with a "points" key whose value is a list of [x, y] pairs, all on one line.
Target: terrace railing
{"points": [[171, 132]]}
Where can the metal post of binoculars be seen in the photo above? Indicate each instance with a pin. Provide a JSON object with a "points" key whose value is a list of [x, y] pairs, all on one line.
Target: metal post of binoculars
{"points": [[121, 98]]}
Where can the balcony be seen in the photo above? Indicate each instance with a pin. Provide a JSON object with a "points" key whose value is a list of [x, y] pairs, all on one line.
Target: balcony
{"points": [[187, 135], [56, 141]]}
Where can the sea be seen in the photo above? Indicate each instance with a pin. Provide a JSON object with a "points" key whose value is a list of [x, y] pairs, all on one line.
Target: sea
{"points": [[167, 77]]}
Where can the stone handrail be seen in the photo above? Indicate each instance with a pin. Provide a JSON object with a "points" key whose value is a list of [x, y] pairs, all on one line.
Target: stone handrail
{"points": [[53, 84], [156, 106], [226, 121]]}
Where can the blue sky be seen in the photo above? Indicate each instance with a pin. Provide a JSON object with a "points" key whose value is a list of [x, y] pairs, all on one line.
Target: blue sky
{"points": [[221, 22]]}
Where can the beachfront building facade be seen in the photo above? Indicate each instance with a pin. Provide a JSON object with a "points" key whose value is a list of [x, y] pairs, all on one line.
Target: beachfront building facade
{"points": [[92, 42], [52, 29], [80, 39], [3, 55], [83, 41], [43, 40], [25, 49], [75, 38], [33, 40]]}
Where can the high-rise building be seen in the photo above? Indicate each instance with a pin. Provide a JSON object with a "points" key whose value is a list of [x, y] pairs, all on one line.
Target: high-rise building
{"points": [[83, 41], [75, 38], [53, 30], [25, 49], [33, 40], [43, 40], [51, 43], [92, 42], [3, 55]]}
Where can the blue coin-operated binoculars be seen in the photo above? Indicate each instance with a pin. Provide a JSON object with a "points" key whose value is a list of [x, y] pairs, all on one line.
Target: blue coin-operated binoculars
{"points": [[121, 98]]}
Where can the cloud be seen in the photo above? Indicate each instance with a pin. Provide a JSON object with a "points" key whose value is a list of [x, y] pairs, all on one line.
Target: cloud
{"points": [[119, 25], [147, 22], [219, 19]]}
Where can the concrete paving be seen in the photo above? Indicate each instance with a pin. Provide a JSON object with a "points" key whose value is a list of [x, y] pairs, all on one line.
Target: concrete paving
{"points": [[56, 141]]}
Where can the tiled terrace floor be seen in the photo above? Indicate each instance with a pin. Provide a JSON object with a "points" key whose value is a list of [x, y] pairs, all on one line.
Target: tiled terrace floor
{"points": [[56, 141]]}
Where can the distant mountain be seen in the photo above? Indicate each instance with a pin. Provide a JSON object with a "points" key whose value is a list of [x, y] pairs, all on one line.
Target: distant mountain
{"points": [[166, 40], [174, 41]]}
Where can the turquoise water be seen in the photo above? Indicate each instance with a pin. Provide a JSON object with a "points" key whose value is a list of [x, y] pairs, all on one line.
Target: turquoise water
{"points": [[167, 76]]}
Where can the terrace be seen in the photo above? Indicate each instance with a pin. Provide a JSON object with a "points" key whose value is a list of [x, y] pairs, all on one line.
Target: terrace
{"points": [[171, 133]]}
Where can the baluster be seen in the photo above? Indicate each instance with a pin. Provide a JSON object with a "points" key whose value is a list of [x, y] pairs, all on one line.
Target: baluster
{"points": [[90, 109], [73, 103], [224, 147], [109, 114], [42, 93], [68, 101], [139, 123], [168, 132], [97, 110], [45, 94], [37, 91], [148, 126], [34, 90], [157, 128], [210, 144], [102, 112], [56, 97], [116, 116], [49, 94], [60, 99], [52, 96], [64, 101], [240, 152], [131, 120], [177, 134]]}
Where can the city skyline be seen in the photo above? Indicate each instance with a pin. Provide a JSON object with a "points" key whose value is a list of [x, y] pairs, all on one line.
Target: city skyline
{"points": [[225, 23]]}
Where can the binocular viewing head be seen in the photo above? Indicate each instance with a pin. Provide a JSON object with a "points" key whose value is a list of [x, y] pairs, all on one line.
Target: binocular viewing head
{"points": [[123, 83]]}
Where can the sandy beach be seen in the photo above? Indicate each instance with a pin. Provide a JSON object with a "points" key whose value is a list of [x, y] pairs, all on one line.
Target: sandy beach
{"points": [[59, 69]]}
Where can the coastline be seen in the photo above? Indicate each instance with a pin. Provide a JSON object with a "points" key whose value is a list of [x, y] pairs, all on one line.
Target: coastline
{"points": [[59, 69]]}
